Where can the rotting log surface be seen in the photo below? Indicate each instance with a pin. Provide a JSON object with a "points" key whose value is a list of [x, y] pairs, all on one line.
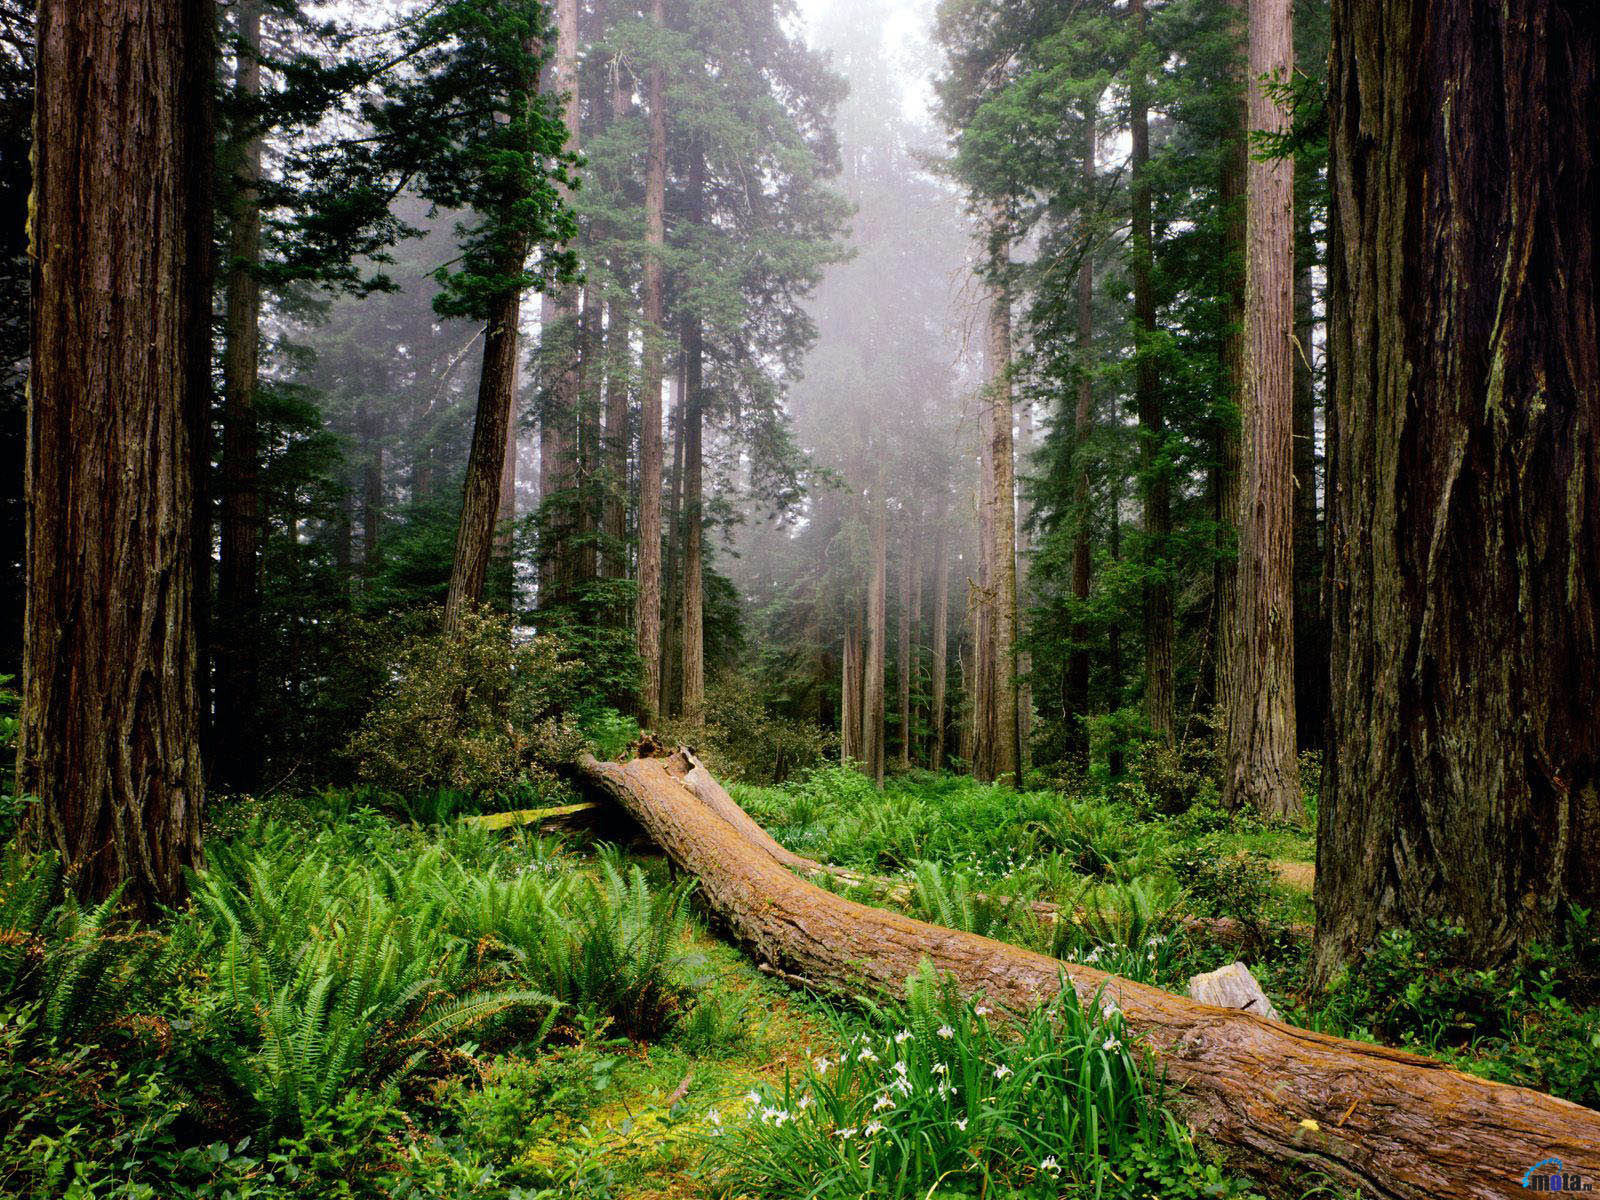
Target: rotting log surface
{"points": [[1290, 1101]]}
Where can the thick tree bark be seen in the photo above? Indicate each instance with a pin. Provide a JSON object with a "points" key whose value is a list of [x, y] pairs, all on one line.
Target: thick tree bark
{"points": [[1288, 1100], [1263, 767], [238, 620], [1464, 762], [649, 614], [1156, 482], [1077, 689], [939, 674], [1007, 762], [672, 576], [109, 740], [506, 514], [872, 699], [591, 384], [694, 654], [978, 685]]}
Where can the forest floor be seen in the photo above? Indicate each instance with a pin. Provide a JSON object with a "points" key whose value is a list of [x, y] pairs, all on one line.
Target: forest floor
{"points": [[673, 1067]]}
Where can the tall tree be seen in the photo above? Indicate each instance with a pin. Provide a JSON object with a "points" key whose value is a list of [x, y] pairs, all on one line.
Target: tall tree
{"points": [[693, 405], [1002, 503], [877, 628], [1077, 681], [1463, 779], [941, 642], [238, 576], [655, 192], [1156, 478], [492, 144], [1262, 758], [110, 727]]}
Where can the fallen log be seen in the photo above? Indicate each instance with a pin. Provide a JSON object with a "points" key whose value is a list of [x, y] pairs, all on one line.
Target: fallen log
{"points": [[1224, 931], [1289, 1101]]}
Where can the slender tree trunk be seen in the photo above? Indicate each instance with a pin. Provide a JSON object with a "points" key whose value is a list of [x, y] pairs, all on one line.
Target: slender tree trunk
{"points": [[914, 714], [238, 646], [903, 651], [480, 499], [877, 584], [109, 739], [1007, 763], [980, 687], [506, 513], [1156, 483], [591, 383], [1310, 631], [850, 689], [619, 373], [672, 582], [1263, 770], [1225, 574], [694, 663], [371, 427], [941, 640], [649, 616], [1463, 779], [1082, 430], [559, 314], [1114, 666]]}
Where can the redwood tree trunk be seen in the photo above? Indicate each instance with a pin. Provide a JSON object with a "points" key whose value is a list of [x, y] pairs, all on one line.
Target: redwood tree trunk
{"points": [[1083, 419], [1463, 779], [941, 642], [694, 653], [109, 739], [1263, 771], [903, 649], [1231, 194], [1007, 763], [872, 693], [1310, 632], [1156, 484], [619, 372], [480, 499], [655, 188], [238, 620]]}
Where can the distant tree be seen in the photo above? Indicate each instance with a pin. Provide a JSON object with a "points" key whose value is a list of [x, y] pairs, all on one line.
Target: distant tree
{"points": [[1463, 780], [121, 234]]}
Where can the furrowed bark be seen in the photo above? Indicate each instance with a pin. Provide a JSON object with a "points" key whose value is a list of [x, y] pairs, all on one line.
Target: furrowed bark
{"points": [[1285, 1100]]}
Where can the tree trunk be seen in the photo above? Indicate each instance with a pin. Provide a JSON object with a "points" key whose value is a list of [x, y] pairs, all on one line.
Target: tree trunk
{"points": [[980, 685], [694, 660], [1007, 763], [850, 690], [238, 644], [559, 314], [1310, 632], [1082, 428], [903, 650], [914, 699], [941, 641], [619, 372], [1231, 193], [1282, 1098], [371, 426], [1463, 781], [672, 575], [1263, 768], [1156, 483], [649, 615], [591, 382], [506, 513], [109, 739], [877, 584], [480, 499]]}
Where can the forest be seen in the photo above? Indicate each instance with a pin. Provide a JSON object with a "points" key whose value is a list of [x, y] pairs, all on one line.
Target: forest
{"points": [[822, 599]]}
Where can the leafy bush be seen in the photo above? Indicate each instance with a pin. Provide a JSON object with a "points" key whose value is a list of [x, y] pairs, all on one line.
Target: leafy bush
{"points": [[942, 1101], [743, 741], [1221, 883], [474, 711]]}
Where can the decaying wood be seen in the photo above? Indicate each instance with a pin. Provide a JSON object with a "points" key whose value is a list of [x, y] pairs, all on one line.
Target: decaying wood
{"points": [[1289, 1101], [1232, 986]]}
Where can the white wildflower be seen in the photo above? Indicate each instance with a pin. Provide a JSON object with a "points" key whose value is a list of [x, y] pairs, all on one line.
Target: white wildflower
{"points": [[1050, 1164], [900, 1068], [806, 1102], [754, 1097], [940, 1068], [822, 1065], [1111, 1043], [884, 1101], [902, 1037], [1002, 1071], [846, 1134], [960, 1123], [866, 1055], [945, 1031], [872, 1128], [713, 1116], [983, 1010]]}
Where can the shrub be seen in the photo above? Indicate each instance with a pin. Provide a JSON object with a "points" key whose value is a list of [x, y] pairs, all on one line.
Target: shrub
{"points": [[1223, 884], [743, 741], [474, 711]]}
